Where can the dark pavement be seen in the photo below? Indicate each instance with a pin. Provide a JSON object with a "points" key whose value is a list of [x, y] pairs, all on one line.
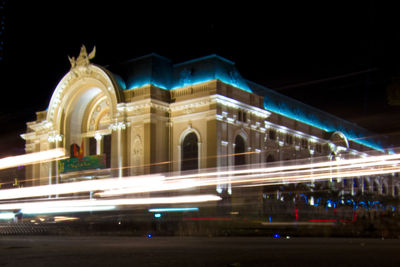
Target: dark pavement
{"points": [[196, 251]]}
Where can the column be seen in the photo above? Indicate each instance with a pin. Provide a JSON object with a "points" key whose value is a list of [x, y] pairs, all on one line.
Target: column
{"points": [[99, 147], [199, 155], [179, 157], [119, 126]]}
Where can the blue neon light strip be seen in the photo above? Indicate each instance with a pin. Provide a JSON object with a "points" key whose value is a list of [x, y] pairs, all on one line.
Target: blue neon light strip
{"points": [[138, 85], [173, 209], [213, 67], [320, 125], [157, 71]]}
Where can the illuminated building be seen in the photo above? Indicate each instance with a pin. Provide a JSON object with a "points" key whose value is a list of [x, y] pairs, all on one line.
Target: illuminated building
{"points": [[148, 115]]}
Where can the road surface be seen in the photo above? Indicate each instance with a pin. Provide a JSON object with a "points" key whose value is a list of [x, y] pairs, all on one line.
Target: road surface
{"points": [[196, 251]]}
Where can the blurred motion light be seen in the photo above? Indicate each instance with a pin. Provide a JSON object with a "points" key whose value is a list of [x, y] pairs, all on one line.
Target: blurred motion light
{"points": [[46, 210], [6, 215], [173, 209], [31, 158]]}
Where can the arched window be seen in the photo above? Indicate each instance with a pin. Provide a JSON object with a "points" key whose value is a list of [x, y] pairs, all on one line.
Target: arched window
{"points": [[190, 152], [384, 189], [366, 185], [240, 149], [375, 186]]}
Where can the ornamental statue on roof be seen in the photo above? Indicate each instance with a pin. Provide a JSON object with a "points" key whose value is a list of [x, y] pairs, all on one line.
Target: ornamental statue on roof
{"points": [[83, 58]]}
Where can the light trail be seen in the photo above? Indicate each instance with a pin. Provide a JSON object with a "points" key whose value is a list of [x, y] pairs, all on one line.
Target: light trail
{"points": [[292, 167], [78, 187], [6, 215], [334, 169], [31, 158], [315, 177], [42, 207], [244, 177]]}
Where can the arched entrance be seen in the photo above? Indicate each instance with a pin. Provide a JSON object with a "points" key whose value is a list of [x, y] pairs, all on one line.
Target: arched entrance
{"points": [[82, 110]]}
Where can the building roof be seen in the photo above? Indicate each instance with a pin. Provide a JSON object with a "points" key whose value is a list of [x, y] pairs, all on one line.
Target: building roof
{"points": [[161, 72], [294, 109]]}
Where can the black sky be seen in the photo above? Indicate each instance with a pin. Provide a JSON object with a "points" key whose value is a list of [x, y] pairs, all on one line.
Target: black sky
{"points": [[313, 51]]}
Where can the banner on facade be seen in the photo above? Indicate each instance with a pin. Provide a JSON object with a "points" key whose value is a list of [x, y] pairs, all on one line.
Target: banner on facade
{"points": [[81, 164]]}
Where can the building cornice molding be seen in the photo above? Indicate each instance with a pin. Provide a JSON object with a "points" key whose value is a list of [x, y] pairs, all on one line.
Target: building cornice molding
{"points": [[232, 103]]}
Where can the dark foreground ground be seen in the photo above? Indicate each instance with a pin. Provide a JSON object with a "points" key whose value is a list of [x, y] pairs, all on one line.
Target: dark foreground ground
{"points": [[196, 251]]}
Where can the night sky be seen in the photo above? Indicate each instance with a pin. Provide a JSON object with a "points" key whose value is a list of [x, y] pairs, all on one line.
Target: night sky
{"points": [[335, 55]]}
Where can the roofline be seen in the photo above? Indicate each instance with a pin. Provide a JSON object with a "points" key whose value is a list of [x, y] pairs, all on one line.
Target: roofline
{"points": [[147, 56], [203, 58]]}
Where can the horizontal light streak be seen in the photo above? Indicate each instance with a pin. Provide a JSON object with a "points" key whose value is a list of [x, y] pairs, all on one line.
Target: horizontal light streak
{"points": [[292, 167], [50, 210], [32, 158], [64, 218], [55, 206], [7, 215], [77, 187], [173, 209], [330, 171], [243, 177], [315, 177], [152, 187]]}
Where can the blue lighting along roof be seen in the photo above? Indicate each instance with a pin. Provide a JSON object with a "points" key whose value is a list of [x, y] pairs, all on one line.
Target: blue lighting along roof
{"points": [[296, 110], [206, 69], [159, 71]]}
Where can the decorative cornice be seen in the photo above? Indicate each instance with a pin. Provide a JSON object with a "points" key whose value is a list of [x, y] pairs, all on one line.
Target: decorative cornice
{"points": [[232, 103], [192, 104]]}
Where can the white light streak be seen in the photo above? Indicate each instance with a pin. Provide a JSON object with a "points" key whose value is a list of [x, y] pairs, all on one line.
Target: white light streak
{"points": [[6, 215], [57, 206], [386, 164], [76, 187], [31, 158], [49, 210]]}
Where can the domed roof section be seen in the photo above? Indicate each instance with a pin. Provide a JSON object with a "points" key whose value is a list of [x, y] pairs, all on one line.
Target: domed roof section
{"points": [[150, 69], [159, 71], [208, 68]]}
